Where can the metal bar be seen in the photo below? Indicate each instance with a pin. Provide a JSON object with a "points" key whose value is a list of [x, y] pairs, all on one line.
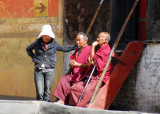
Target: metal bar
{"points": [[86, 84]]}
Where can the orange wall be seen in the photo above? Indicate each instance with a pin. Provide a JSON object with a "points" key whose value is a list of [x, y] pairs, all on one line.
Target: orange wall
{"points": [[25, 8]]}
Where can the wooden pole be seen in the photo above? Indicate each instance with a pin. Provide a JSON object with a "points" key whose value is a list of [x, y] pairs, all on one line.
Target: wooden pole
{"points": [[93, 19], [87, 83], [87, 32], [113, 49]]}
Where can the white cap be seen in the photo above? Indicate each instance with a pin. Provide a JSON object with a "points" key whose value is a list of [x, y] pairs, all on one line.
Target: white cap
{"points": [[47, 30]]}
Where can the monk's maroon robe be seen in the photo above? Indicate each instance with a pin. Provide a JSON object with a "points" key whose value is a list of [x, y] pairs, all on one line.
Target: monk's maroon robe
{"points": [[100, 58], [63, 88]]}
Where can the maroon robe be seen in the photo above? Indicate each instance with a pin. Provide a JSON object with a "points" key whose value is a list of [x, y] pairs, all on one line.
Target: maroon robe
{"points": [[63, 88], [100, 58]]}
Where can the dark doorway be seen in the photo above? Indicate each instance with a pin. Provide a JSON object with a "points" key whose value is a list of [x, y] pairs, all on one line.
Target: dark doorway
{"points": [[119, 12]]}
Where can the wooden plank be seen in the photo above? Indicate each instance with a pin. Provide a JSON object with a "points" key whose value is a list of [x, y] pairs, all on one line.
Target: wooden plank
{"points": [[108, 92]]}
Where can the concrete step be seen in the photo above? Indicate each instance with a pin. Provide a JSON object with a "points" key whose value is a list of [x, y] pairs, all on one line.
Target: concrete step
{"points": [[42, 107]]}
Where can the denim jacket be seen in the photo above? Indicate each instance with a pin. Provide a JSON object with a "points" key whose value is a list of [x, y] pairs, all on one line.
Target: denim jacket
{"points": [[47, 57]]}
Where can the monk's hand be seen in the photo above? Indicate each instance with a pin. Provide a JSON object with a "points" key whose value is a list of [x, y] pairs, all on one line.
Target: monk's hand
{"points": [[94, 43], [89, 59], [71, 64], [113, 54], [74, 64], [90, 62]]}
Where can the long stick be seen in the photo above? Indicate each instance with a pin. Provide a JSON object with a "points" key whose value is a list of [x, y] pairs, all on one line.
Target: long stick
{"points": [[86, 84], [95, 15], [87, 32], [113, 48]]}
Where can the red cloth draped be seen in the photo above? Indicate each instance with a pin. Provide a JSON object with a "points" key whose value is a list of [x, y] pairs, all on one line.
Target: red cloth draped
{"points": [[82, 58], [63, 88], [100, 58]]}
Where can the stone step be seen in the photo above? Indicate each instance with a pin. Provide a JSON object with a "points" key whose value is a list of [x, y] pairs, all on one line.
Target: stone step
{"points": [[42, 107]]}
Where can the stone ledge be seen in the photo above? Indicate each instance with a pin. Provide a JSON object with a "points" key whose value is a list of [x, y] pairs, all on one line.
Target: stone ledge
{"points": [[41, 107]]}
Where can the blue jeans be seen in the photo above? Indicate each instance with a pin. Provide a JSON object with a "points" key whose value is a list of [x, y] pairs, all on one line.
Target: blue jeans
{"points": [[43, 83]]}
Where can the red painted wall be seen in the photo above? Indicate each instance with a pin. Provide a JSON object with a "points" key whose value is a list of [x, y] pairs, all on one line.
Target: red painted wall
{"points": [[142, 27], [25, 8], [53, 8]]}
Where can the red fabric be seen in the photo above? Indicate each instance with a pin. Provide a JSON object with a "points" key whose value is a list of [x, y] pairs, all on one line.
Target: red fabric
{"points": [[63, 88], [77, 89], [45, 46], [74, 56], [100, 59], [82, 58]]}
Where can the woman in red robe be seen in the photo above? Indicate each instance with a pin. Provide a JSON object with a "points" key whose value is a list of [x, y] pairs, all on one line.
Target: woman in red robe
{"points": [[99, 54]]}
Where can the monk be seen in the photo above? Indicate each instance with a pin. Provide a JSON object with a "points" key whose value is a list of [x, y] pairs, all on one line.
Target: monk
{"points": [[78, 66], [99, 54]]}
